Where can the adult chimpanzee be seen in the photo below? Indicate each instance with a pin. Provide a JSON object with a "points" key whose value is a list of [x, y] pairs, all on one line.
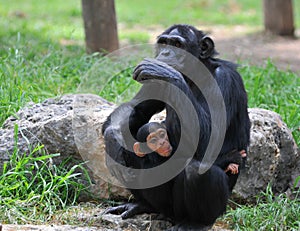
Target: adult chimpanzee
{"points": [[191, 198]]}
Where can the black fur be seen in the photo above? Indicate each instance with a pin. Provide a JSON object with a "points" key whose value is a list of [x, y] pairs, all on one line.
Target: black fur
{"points": [[190, 198]]}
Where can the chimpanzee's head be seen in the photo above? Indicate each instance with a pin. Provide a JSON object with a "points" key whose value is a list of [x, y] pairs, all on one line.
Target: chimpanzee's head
{"points": [[186, 38]]}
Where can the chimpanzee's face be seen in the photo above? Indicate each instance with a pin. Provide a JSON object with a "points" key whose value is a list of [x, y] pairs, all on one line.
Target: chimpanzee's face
{"points": [[172, 46]]}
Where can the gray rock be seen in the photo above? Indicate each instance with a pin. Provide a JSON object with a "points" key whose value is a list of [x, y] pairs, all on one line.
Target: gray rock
{"points": [[107, 222], [273, 156], [48, 123], [71, 125], [149, 222], [51, 228]]}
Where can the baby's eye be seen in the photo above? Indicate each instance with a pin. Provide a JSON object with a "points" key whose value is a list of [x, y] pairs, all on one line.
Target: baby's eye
{"points": [[153, 141], [162, 134]]}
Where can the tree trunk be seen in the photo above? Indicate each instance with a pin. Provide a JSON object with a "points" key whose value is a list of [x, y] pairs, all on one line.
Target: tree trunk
{"points": [[278, 17], [100, 25]]}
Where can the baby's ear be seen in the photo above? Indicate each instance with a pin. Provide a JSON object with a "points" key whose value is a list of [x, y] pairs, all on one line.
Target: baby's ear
{"points": [[137, 150]]}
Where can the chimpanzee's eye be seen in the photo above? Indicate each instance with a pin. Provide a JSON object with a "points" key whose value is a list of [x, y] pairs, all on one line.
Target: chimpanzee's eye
{"points": [[178, 44], [162, 41]]}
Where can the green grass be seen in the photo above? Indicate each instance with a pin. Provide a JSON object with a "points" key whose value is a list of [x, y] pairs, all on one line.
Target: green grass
{"points": [[32, 188], [26, 76], [276, 90], [191, 12], [42, 55], [134, 37], [61, 20], [195, 12], [269, 213]]}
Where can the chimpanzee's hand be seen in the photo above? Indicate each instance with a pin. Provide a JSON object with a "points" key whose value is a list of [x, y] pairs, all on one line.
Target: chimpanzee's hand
{"points": [[154, 69]]}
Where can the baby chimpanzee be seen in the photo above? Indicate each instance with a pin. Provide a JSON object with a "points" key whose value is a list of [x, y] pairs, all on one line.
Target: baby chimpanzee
{"points": [[153, 137]]}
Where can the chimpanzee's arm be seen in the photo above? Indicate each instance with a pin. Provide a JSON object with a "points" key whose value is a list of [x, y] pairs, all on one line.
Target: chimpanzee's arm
{"points": [[224, 160]]}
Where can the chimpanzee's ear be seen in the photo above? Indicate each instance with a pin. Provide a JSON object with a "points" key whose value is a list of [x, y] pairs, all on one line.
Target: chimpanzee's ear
{"points": [[137, 150], [207, 47]]}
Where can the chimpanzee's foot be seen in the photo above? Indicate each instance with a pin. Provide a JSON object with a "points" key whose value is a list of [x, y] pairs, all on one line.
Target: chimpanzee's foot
{"points": [[128, 210]]}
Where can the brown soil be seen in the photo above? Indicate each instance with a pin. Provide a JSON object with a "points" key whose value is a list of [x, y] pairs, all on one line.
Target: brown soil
{"points": [[257, 47]]}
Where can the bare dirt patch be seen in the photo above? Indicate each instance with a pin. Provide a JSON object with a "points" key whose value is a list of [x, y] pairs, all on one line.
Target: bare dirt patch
{"points": [[257, 47]]}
